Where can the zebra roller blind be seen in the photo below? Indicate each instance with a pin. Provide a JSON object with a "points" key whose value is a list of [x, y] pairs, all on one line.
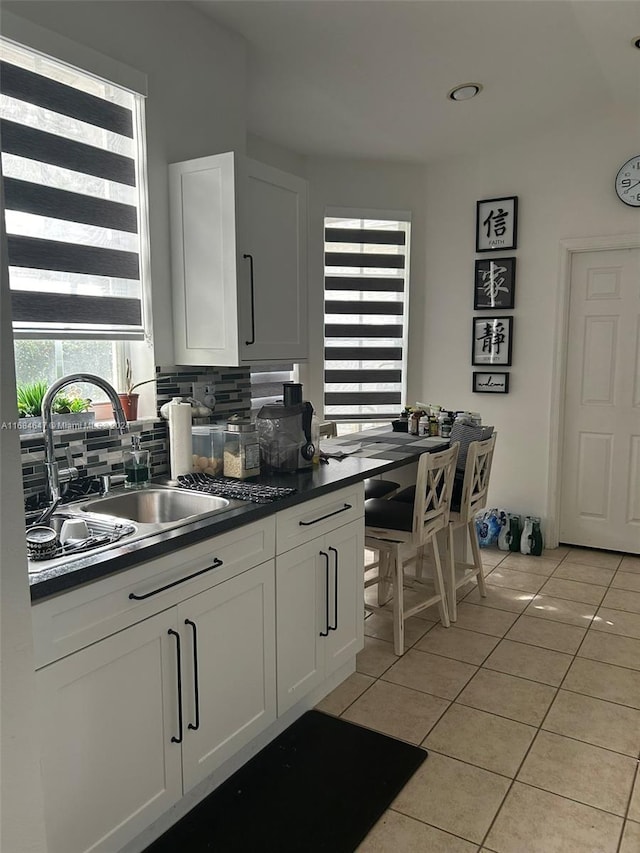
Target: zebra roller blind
{"points": [[366, 287], [71, 152]]}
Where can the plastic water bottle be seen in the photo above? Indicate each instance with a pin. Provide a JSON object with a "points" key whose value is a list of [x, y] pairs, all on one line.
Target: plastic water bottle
{"points": [[531, 539]]}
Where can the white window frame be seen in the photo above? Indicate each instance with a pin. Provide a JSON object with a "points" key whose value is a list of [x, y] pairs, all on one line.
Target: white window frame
{"points": [[347, 425], [33, 37]]}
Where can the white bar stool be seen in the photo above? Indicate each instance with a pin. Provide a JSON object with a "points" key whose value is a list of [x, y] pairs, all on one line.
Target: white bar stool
{"points": [[400, 532]]}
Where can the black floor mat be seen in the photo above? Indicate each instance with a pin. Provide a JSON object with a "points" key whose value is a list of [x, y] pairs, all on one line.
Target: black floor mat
{"points": [[318, 787]]}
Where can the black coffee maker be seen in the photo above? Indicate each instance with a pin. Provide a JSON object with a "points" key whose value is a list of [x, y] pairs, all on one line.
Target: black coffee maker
{"points": [[284, 432]]}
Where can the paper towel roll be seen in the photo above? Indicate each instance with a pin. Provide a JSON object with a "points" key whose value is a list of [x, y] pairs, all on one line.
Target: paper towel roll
{"points": [[180, 454]]}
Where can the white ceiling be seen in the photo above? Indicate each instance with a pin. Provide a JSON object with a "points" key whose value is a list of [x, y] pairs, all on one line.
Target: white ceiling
{"points": [[369, 78]]}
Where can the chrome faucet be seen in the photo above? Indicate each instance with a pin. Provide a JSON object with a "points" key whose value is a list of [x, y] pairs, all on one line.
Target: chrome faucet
{"points": [[56, 475]]}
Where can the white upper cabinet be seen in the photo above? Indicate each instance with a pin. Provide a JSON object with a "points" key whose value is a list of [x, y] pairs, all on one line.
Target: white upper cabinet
{"points": [[239, 262]]}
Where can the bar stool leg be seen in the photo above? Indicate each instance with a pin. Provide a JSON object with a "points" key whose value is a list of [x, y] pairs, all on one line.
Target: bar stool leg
{"points": [[419, 561], [438, 582], [451, 591], [384, 579], [398, 604]]}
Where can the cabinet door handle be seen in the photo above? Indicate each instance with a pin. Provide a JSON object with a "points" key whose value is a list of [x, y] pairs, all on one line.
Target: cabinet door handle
{"points": [[253, 307], [322, 517], [196, 691], [326, 597], [215, 565], [335, 591], [179, 669]]}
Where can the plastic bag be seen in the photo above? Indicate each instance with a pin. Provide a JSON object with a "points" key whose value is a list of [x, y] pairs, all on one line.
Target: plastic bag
{"points": [[510, 532], [488, 527]]}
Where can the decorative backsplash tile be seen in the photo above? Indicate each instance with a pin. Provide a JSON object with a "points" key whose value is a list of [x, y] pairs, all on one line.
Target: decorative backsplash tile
{"points": [[99, 451], [232, 387]]}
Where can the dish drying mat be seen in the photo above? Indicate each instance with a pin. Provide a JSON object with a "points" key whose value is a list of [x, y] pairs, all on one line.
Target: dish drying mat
{"points": [[227, 487]]}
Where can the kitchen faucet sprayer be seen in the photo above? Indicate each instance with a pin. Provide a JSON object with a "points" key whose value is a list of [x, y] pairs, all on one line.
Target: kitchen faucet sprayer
{"points": [[56, 475]]}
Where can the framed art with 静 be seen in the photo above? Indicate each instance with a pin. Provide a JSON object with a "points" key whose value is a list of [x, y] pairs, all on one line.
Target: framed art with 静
{"points": [[492, 341], [497, 224], [495, 281]]}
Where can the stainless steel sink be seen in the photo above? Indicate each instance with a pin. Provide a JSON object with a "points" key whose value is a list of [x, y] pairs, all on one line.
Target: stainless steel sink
{"points": [[156, 506]]}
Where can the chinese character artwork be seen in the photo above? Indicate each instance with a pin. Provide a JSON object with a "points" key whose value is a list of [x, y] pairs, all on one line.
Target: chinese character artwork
{"points": [[496, 224], [492, 340], [492, 337], [494, 283]]}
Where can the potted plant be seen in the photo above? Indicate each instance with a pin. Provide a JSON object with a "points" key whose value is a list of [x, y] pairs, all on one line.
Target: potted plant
{"points": [[69, 410], [128, 399]]}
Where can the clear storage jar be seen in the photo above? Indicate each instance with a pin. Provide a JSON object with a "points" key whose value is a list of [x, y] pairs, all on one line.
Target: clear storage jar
{"points": [[207, 447], [241, 450]]}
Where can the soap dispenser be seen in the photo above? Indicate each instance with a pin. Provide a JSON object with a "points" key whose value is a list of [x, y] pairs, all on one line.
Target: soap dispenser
{"points": [[136, 465]]}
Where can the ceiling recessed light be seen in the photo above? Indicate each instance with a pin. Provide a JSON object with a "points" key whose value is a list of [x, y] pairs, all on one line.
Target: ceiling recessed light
{"points": [[464, 92], [636, 42]]}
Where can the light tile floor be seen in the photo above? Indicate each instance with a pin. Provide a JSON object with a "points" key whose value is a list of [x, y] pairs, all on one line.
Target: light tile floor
{"points": [[529, 706]]}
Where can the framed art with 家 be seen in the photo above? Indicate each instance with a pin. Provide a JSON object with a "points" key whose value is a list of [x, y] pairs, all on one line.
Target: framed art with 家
{"points": [[490, 382], [495, 281], [497, 224], [492, 341]]}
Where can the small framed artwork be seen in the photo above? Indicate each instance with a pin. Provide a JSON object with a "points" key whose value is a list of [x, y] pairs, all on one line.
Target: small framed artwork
{"points": [[492, 341], [490, 382], [495, 281], [497, 224]]}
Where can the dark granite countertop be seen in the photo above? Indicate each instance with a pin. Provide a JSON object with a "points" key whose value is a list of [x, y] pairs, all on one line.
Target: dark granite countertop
{"points": [[378, 451]]}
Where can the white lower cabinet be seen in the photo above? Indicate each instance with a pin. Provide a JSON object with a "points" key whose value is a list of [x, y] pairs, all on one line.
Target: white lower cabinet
{"points": [[151, 679], [230, 646], [320, 610], [130, 723]]}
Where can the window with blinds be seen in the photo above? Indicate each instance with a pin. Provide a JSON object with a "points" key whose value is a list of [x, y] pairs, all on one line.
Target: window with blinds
{"points": [[365, 307], [267, 382], [72, 149]]}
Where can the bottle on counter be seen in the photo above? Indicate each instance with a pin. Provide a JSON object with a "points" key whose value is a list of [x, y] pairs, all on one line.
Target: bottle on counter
{"points": [[241, 450], [445, 422], [136, 465]]}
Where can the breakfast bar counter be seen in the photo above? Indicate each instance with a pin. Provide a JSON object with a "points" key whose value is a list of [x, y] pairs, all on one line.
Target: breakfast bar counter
{"points": [[368, 453]]}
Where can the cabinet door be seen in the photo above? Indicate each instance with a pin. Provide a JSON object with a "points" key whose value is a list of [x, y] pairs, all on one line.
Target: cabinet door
{"points": [[229, 670], [301, 614], [230, 217], [346, 602], [204, 278], [108, 713], [274, 234]]}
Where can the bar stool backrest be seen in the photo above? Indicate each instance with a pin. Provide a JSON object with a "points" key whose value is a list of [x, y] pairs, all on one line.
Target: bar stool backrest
{"points": [[434, 486], [476, 477]]}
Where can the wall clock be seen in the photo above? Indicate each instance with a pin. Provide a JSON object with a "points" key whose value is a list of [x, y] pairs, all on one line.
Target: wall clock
{"points": [[628, 182]]}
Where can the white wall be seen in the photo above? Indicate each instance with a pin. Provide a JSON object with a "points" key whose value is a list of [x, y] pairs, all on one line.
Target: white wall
{"points": [[196, 103], [564, 182], [275, 155]]}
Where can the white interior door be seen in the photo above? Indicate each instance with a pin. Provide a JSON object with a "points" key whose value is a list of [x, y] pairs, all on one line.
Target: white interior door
{"points": [[600, 489]]}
